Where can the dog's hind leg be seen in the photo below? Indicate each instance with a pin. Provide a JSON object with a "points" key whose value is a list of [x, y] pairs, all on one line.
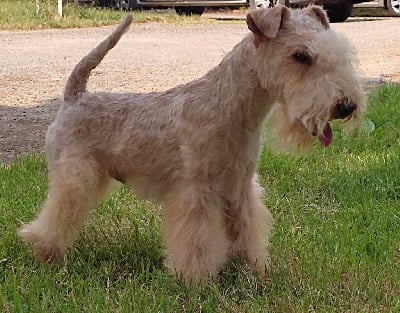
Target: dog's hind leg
{"points": [[195, 239], [75, 186]]}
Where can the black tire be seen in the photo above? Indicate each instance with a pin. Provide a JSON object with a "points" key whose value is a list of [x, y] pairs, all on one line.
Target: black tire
{"points": [[190, 10], [133, 5], [120, 4], [101, 3], [339, 12], [394, 7], [274, 3]]}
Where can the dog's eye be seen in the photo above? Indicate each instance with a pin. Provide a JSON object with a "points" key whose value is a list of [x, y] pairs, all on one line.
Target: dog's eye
{"points": [[302, 57]]}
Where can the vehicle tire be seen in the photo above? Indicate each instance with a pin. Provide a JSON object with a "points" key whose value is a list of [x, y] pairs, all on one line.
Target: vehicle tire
{"points": [[101, 3], [133, 5], [339, 12], [394, 7], [190, 10], [120, 4]]}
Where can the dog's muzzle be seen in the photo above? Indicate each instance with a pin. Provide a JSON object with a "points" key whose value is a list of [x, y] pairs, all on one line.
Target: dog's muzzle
{"points": [[344, 108]]}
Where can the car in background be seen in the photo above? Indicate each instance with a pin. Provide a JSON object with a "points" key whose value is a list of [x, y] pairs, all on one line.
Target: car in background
{"points": [[393, 6], [337, 10], [187, 7], [340, 10]]}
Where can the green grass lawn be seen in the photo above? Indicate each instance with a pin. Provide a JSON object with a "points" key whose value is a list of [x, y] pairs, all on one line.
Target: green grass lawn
{"points": [[335, 245], [22, 14]]}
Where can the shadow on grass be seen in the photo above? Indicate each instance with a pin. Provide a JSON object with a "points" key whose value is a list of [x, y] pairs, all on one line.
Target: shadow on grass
{"points": [[23, 129]]}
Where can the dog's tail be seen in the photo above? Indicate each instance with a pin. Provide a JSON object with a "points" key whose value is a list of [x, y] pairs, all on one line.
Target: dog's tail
{"points": [[76, 84]]}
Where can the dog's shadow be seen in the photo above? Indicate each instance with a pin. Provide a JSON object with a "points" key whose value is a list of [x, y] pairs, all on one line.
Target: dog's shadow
{"points": [[123, 233], [23, 128], [123, 238]]}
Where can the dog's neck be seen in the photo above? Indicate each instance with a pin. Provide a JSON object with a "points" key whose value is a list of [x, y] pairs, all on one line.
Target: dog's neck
{"points": [[235, 83]]}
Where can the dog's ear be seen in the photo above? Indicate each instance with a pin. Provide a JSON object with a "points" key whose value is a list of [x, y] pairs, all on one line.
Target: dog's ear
{"points": [[319, 14], [265, 23]]}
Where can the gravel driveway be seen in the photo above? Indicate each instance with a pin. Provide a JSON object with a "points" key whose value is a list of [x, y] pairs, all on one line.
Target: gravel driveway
{"points": [[34, 66]]}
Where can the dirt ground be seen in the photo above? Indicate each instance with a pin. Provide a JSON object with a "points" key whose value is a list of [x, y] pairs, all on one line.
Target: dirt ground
{"points": [[34, 66]]}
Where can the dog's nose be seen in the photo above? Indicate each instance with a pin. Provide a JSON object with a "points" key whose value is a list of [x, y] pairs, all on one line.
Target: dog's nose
{"points": [[344, 107]]}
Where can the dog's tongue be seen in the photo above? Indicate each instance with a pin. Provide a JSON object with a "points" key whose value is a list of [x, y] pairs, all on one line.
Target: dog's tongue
{"points": [[326, 137]]}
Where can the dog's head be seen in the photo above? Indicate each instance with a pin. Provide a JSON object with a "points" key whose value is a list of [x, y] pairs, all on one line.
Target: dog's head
{"points": [[309, 70]]}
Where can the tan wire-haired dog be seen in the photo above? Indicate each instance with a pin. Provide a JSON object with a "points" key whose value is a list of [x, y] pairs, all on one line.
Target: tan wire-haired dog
{"points": [[194, 148]]}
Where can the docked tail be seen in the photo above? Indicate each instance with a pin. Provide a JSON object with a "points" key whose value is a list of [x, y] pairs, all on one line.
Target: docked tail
{"points": [[76, 84]]}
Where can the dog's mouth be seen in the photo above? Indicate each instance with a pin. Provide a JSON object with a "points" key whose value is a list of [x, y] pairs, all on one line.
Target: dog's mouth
{"points": [[343, 109]]}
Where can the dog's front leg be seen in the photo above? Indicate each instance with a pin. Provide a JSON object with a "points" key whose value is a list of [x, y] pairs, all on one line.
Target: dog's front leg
{"points": [[249, 224], [195, 239]]}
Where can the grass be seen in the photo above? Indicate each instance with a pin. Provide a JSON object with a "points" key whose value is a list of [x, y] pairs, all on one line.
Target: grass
{"points": [[335, 245], [22, 14]]}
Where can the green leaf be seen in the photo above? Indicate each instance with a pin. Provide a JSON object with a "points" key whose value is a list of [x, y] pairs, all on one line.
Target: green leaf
{"points": [[368, 126]]}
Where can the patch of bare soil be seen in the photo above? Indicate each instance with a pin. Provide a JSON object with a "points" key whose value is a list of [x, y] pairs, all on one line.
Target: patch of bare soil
{"points": [[34, 66]]}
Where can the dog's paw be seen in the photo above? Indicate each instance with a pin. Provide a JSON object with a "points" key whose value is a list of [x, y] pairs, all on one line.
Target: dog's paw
{"points": [[43, 250]]}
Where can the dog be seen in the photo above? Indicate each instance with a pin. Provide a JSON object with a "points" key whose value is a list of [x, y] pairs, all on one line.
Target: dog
{"points": [[194, 148]]}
